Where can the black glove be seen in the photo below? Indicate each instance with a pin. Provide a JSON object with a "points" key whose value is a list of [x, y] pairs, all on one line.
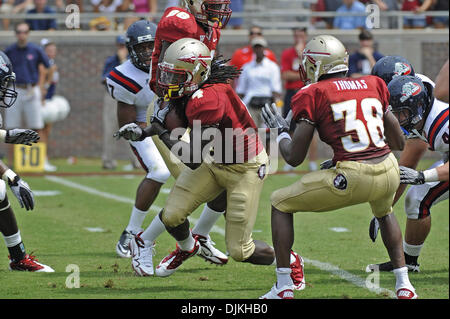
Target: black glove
{"points": [[327, 164], [273, 119], [411, 176], [23, 192], [21, 136]]}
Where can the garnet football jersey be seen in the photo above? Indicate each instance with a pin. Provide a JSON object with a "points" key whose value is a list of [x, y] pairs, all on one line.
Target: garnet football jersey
{"points": [[219, 106], [348, 114], [177, 23]]}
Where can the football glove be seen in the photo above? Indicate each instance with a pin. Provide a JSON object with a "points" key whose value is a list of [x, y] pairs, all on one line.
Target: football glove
{"points": [[23, 192], [130, 131], [411, 176], [159, 114], [327, 164], [373, 228], [273, 119], [21, 136]]}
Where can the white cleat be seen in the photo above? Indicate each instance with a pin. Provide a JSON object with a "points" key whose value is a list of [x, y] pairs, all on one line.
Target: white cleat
{"points": [[29, 263], [406, 293], [209, 252], [285, 292], [141, 256]]}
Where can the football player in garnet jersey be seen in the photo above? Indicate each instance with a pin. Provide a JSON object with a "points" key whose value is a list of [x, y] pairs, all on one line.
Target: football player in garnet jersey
{"points": [[237, 164], [201, 20], [19, 259], [425, 120], [352, 116]]}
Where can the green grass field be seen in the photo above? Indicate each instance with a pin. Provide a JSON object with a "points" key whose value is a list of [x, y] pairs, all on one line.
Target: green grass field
{"points": [[335, 261]]}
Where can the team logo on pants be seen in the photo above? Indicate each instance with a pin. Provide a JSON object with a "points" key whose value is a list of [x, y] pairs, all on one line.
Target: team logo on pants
{"points": [[340, 182], [262, 171]]}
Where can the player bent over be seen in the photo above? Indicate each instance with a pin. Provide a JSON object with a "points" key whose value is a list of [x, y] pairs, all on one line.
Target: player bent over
{"points": [[425, 120], [185, 76], [20, 260], [352, 116]]}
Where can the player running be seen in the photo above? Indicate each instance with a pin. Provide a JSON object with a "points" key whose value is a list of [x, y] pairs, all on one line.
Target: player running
{"points": [[194, 85], [425, 121], [352, 116], [19, 259]]}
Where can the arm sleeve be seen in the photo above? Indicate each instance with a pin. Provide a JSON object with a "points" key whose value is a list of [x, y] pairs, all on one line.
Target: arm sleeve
{"points": [[205, 107], [120, 93], [302, 106]]}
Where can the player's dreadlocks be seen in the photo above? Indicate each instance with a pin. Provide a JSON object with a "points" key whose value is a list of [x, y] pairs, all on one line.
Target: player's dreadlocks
{"points": [[221, 72]]}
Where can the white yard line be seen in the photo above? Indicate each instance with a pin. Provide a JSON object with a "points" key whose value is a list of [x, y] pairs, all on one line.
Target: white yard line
{"points": [[355, 280]]}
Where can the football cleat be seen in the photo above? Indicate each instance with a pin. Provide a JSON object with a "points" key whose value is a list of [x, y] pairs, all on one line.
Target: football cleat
{"points": [[29, 263], [123, 245], [171, 262], [209, 252], [297, 274], [405, 293], [285, 292], [141, 256], [387, 266]]}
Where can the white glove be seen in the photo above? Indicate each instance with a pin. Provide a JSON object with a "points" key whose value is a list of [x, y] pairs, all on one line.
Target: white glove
{"points": [[411, 176], [21, 136], [130, 131], [273, 119], [159, 114], [23, 192]]}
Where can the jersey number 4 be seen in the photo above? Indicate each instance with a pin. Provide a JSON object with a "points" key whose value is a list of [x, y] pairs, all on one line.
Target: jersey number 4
{"points": [[372, 130]]}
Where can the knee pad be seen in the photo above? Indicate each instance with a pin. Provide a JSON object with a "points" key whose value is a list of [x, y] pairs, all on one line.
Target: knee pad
{"points": [[159, 173], [240, 251]]}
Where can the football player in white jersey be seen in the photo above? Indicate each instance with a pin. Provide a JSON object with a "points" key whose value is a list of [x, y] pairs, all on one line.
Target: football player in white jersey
{"points": [[128, 83], [426, 124]]}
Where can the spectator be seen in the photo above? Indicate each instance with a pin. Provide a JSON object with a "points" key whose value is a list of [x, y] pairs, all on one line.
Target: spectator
{"points": [[172, 3], [25, 57], [139, 6], [13, 7], [440, 22], [40, 6], [260, 81], [110, 124], [350, 22], [290, 61], [55, 108], [325, 5], [245, 54], [237, 6], [362, 61], [419, 20], [102, 23]]}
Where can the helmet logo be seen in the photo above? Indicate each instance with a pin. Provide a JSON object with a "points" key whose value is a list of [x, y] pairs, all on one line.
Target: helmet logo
{"points": [[410, 89], [3, 66], [193, 59], [401, 68]]}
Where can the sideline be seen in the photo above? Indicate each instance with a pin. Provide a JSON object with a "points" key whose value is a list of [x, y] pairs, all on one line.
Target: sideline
{"points": [[355, 280]]}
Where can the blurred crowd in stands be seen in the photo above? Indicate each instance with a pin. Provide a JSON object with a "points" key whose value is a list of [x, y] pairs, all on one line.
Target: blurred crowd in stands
{"points": [[419, 19]]}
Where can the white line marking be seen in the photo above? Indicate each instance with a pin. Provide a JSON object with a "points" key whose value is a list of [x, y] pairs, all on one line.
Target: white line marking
{"points": [[339, 229], [95, 229], [357, 281], [46, 193]]}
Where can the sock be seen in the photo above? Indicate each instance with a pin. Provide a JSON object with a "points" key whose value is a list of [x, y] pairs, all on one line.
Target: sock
{"points": [[15, 246], [187, 244], [136, 219], [152, 232], [402, 279], [284, 277], [412, 253], [206, 221]]}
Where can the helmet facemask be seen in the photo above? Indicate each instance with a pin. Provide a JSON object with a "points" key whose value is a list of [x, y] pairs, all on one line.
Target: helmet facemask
{"points": [[8, 93], [213, 13]]}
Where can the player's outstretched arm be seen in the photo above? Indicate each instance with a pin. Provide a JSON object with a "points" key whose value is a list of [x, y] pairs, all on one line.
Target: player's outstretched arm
{"points": [[393, 132]]}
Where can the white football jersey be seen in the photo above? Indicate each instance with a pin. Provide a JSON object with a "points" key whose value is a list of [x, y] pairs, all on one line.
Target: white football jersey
{"points": [[129, 85], [436, 127]]}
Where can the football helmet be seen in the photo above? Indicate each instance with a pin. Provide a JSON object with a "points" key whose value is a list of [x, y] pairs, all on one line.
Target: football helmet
{"points": [[389, 67], [140, 40], [409, 102], [186, 65], [324, 54], [8, 93], [213, 13]]}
